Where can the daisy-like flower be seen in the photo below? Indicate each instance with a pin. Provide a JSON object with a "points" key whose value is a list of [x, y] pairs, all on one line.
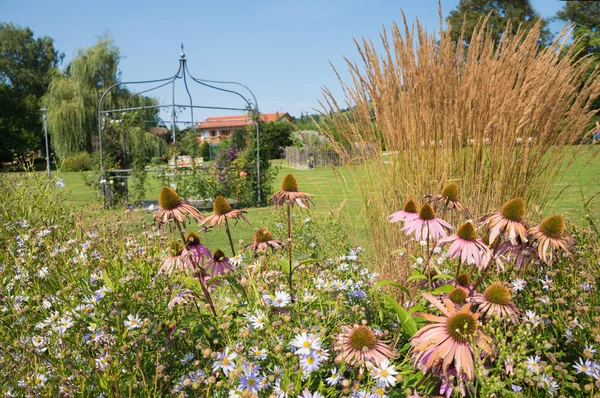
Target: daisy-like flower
{"points": [[263, 240], [132, 322], [257, 320], [218, 264], [224, 362], [508, 220], [549, 384], [258, 353], [64, 324], [196, 249], [385, 374], [176, 260], [305, 343], [335, 378], [533, 364], [311, 362], [496, 301], [450, 340], [466, 246], [426, 225], [222, 211], [518, 284], [360, 345], [307, 394], [531, 317], [183, 296], [281, 299], [173, 208], [290, 194], [550, 236], [586, 367], [409, 212], [251, 381], [448, 199]]}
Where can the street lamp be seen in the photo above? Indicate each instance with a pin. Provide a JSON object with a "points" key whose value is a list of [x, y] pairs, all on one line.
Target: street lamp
{"points": [[44, 110]]}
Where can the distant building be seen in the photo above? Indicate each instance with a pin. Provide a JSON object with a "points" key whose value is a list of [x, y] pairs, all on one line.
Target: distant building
{"points": [[216, 128]]}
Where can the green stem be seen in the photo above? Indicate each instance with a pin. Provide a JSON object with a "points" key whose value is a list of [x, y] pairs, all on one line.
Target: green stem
{"points": [[289, 219], [229, 236]]}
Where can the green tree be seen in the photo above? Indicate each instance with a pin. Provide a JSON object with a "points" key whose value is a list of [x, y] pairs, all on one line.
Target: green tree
{"points": [[27, 65], [276, 135], [468, 14]]}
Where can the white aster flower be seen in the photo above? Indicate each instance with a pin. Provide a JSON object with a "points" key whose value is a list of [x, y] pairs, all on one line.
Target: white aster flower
{"points": [[305, 343], [225, 362], [384, 374], [132, 322]]}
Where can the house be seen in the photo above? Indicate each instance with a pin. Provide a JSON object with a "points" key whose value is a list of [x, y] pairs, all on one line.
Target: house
{"points": [[216, 128]]}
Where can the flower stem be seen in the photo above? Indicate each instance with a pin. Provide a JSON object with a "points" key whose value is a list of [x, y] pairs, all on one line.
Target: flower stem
{"points": [[229, 236], [289, 220], [181, 232]]}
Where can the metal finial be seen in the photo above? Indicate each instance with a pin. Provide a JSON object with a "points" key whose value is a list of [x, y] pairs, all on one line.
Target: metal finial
{"points": [[182, 55]]}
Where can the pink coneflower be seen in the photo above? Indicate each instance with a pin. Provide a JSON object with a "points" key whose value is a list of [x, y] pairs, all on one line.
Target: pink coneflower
{"points": [[176, 260], [263, 240], [496, 301], [467, 247], [290, 194], [448, 200], [450, 340], [360, 345], [408, 213], [426, 225], [173, 208], [508, 220], [218, 264], [550, 235], [222, 211], [197, 251]]}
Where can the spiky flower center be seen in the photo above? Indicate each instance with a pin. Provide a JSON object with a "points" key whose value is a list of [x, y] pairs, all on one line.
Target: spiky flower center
{"points": [[514, 210], [497, 293], [193, 239], [218, 255], [461, 327], [426, 212], [450, 192], [176, 248], [553, 226], [463, 280], [289, 183], [262, 235], [221, 206], [466, 232], [457, 295], [410, 206], [361, 338], [168, 199]]}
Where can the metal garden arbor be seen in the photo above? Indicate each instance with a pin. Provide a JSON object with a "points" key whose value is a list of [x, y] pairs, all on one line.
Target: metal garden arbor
{"points": [[182, 74]]}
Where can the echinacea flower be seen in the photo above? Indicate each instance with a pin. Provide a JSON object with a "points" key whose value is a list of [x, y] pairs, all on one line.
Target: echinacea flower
{"points": [[426, 225], [448, 199], [466, 246], [221, 211], [496, 301], [508, 220], [450, 340], [409, 212], [173, 208], [263, 240], [176, 260], [219, 264], [360, 345], [196, 250], [550, 235], [290, 194]]}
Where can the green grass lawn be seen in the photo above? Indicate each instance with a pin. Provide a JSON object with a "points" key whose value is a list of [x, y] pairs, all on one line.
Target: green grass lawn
{"points": [[336, 191]]}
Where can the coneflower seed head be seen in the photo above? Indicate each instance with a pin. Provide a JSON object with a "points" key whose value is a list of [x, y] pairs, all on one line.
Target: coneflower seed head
{"points": [[461, 326], [176, 248], [289, 183], [426, 212], [463, 280], [262, 235], [218, 255], [410, 206], [514, 210], [221, 206], [362, 337], [193, 239], [168, 199], [553, 226], [450, 192], [466, 231], [457, 295], [497, 293]]}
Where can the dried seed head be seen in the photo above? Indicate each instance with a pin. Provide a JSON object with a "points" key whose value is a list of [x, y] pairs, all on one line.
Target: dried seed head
{"points": [[262, 235], [466, 232], [553, 226], [450, 192], [461, 326], [463, 280], [457, 295], [221, 206], [410, 206], [426, 212], [193, 239], [514, 209], [497, 293], [289, 183], [168, 199], [362, 337], [218, 255]]}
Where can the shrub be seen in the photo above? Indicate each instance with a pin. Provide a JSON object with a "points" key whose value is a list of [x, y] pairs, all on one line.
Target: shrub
{"points": [[81, 161]]}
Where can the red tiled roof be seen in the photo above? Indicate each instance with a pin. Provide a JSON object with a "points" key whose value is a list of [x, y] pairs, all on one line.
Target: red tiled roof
{"points": [[238, 120]]}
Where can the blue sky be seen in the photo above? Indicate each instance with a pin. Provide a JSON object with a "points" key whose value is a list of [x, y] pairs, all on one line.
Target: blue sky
{"points": [[280, 49]]}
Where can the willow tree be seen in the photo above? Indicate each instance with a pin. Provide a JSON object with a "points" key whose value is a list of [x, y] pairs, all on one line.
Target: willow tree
{"points": [[73, 96]]}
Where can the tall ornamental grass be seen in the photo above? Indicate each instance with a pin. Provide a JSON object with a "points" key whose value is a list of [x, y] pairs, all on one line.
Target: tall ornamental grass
{"points": [[500, 119]]}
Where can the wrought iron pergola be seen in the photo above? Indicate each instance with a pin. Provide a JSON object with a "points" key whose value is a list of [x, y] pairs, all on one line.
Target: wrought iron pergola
{"points": [[182, 74]]}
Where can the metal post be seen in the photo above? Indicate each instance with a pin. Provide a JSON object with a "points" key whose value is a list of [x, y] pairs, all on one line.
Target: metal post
{"points": [[44, 110], [258, 154]]}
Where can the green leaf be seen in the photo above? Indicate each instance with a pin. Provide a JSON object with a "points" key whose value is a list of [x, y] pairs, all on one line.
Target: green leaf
{"points": [[409, 326], [108, 282], [285, 266], [310, 261], [416, 276], [192, 284], [445, 289], [442, 276], [390, 283]]}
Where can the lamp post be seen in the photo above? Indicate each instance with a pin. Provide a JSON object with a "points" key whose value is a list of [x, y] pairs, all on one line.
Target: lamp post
{"points": [[44, 110]]}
